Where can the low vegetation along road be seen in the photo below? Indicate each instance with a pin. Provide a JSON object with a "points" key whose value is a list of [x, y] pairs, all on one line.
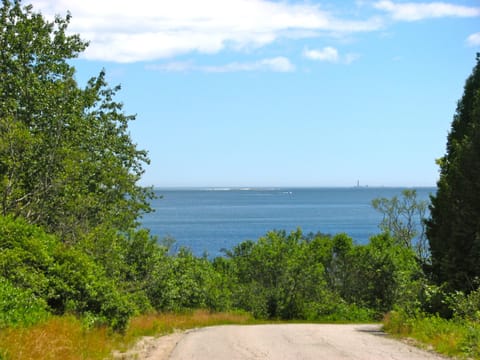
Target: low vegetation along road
{"points": [[292, 341]]}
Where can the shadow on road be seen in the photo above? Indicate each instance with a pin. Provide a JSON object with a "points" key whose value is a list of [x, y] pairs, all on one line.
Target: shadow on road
{"points": [[372, 329]]}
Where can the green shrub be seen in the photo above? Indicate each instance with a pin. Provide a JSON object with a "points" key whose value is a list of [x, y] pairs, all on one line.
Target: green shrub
{"points": [[26, 255], [454, 337], [184, 282], [466, 306], [332, 308], [38, 266], [277, 277], [80, 286], [19, 307]]}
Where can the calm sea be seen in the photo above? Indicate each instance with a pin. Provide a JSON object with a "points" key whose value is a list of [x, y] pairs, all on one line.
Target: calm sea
{"points": [[207, 220]]}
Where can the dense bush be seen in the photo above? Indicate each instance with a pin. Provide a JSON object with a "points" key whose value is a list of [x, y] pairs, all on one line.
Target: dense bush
{"points": [[276, 277], [66, 279], [79, 285], [385, 274], [184, 281], [292, 276], [19, 307], [26, 255], [466, 306]]}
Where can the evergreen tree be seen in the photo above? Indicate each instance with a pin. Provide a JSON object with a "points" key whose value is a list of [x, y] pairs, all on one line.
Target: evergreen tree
{"points": [[453, 229]]}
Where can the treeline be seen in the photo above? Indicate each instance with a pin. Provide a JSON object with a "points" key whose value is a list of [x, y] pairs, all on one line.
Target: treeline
{"points": [[106, 278]]}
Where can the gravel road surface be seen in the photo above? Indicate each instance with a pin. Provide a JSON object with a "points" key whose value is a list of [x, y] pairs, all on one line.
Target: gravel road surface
{"points": [[290, 341]]}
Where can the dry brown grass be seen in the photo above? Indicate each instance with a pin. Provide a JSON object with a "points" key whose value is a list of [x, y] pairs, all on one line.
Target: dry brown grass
{"points": [[57, 338], [65, 338]]}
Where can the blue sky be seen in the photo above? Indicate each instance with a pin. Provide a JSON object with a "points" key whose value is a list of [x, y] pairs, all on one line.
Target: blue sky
{"points": [[282, 93]]}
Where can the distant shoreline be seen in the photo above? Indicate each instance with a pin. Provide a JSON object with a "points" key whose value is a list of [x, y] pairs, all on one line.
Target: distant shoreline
{"points": [[280, 188]]}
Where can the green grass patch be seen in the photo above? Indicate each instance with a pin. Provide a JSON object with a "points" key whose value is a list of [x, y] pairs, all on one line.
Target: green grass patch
{"points": [[456, 337]]}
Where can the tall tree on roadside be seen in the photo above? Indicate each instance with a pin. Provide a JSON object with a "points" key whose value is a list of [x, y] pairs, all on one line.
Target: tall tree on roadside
{"points": [[67, 161], [453, 229]]}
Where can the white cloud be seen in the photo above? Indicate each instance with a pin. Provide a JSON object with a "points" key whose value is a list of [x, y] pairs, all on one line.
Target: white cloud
{"points": [[329, 54], [474, 39], [412, 11], [277, 64], [143, 30]]}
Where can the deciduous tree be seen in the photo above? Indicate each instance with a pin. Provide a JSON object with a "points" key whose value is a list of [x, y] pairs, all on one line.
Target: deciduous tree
{"points": [[403, 218], [67, 161]]}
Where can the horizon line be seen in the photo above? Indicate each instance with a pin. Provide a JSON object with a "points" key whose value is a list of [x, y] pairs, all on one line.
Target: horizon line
{"points": [[266, 187]]}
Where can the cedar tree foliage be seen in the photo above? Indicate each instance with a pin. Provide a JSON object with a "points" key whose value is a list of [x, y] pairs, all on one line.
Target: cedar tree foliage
{"points": [[453, 229]]}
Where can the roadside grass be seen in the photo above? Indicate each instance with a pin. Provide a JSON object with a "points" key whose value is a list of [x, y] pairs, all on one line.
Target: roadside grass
{"points": [[57, 338], [67, 338], [458, 338]]}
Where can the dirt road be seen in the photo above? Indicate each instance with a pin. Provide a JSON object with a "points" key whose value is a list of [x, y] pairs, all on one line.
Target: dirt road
{"points": [[292, 341]]}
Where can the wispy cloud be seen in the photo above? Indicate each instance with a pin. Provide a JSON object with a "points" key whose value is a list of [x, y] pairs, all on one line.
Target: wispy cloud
{"points": [[277, 64], [474, 39], [329, 54], [146, 30], [413, 11]]}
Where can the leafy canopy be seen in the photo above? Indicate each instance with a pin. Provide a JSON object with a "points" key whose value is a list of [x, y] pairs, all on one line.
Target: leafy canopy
{"points": [[67, 161]]}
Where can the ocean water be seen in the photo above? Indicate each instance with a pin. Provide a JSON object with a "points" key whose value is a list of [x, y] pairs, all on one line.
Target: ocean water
{"points": [[207, 220]]}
